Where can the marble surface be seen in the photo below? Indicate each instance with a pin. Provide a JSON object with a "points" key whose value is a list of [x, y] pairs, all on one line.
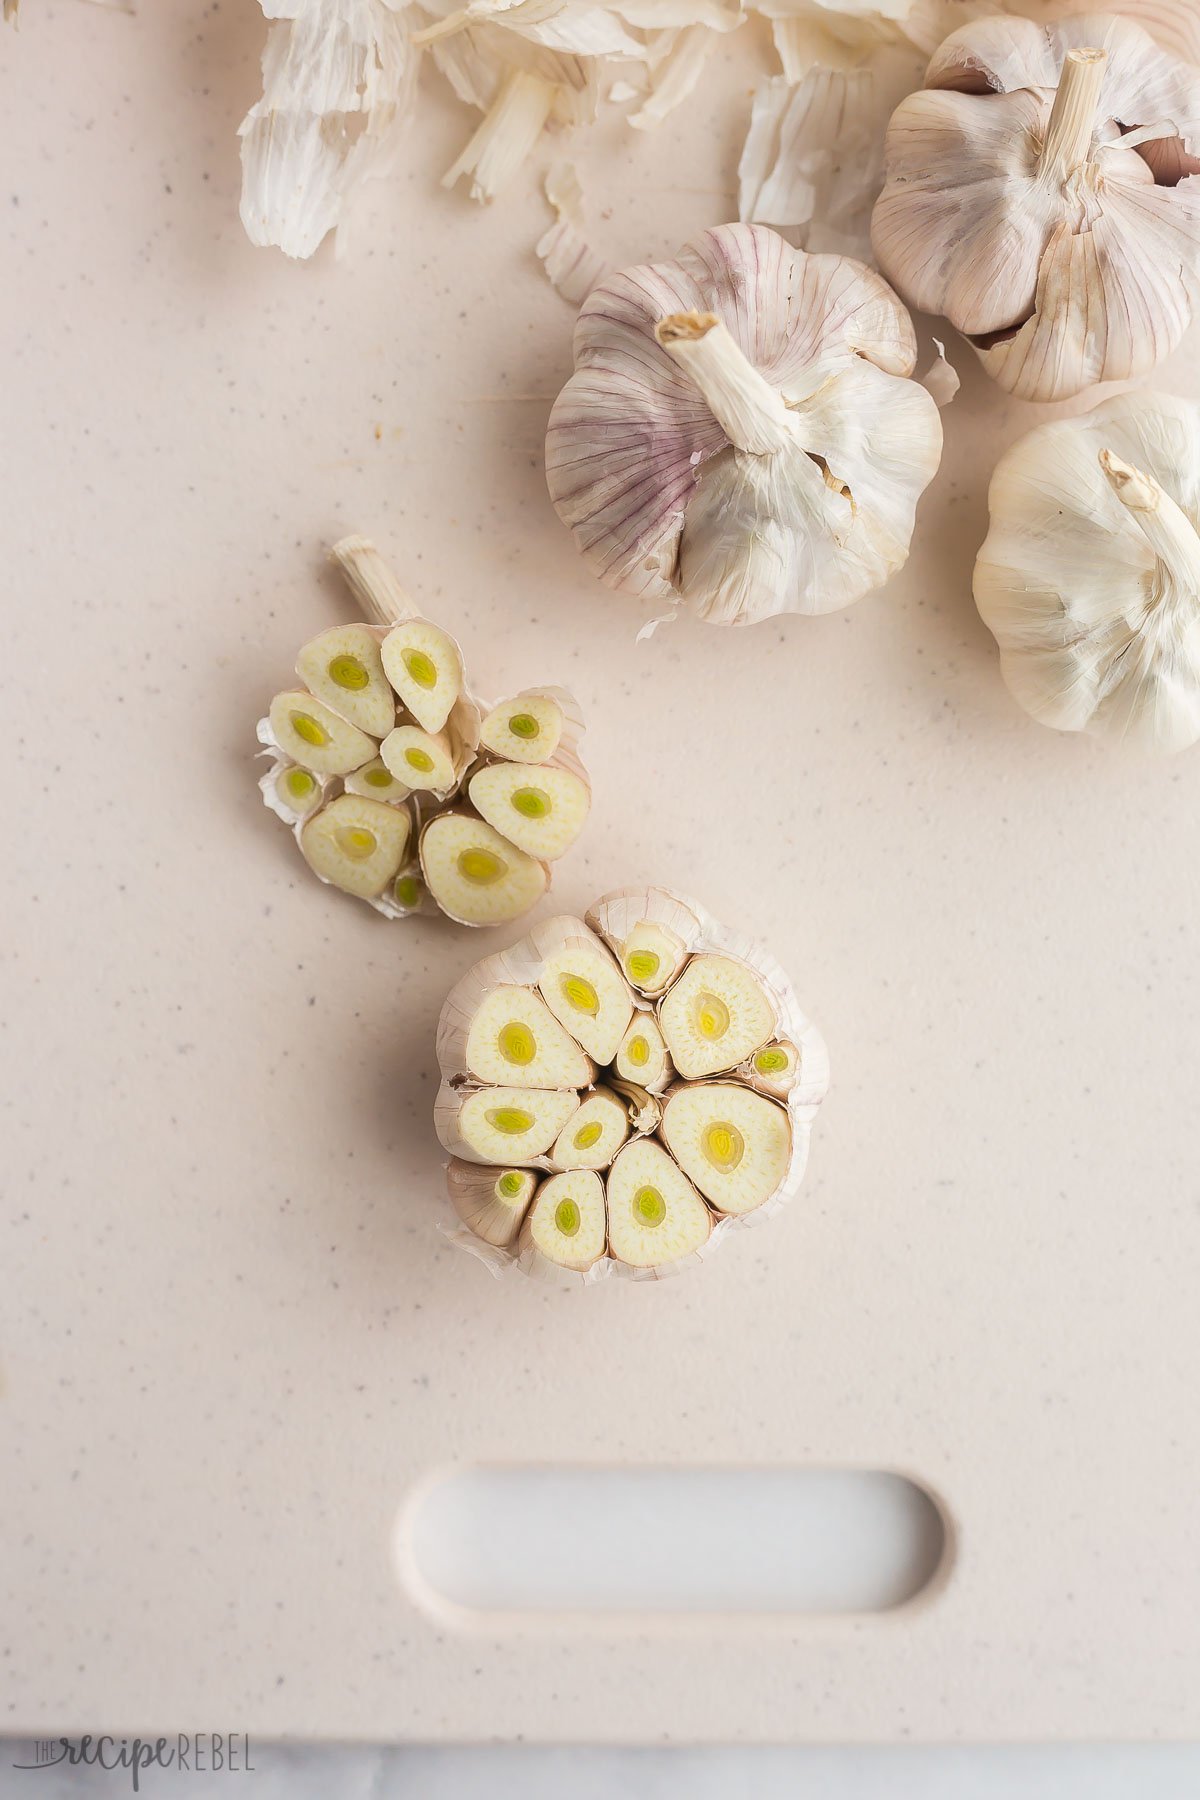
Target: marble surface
{"points": [[234, 1343]]}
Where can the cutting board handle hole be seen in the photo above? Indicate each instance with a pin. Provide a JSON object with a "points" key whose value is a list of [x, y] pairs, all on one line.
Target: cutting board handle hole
{"points": [[572, 1539]]}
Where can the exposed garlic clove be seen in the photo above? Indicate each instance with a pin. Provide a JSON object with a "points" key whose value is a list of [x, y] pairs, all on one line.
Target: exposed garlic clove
{"points": [[542, 813], [567, 1222], [502, 1125], [420, 759], [582, 986], [514, 1038], [735, 1145], [358, 845], [592, 1136], [775, 1069], [375, 781], [781, 474], [292, 792], [1024, 200], [476, 876], [408, 893], [655, 1215], [1089, 579], [642, 1056], [424, 665], [306, 730], [343, 668], [526, 728], [650, 932], [715, 1016], [490, 1202]]}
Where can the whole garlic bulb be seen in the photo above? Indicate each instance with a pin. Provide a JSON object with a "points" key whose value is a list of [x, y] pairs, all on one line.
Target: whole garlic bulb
{"points": [[1041, 194], [1089, 579], [740, 433]]}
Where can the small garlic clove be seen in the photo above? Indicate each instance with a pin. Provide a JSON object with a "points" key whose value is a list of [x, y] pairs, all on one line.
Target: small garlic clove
{"points": [[358, 845], [292, 792], [421, 760], [734, 1144], [343, 668], [583, 988], [642, 1056], [525, 729], [308, 732], [424, 665], [655, 1215], [476, 876], [490, 1202], [504, 1125], [567, 1222], [775, 1069], [715, 1016], [515, 1039], [592, 1136], [540, 812], [375, 781]]}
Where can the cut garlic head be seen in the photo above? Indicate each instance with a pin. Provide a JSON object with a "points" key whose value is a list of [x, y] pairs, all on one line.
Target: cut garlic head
{"points": [[550, 1061], [385, 718], [1033, 195], [740, 433], [1089, 579]]}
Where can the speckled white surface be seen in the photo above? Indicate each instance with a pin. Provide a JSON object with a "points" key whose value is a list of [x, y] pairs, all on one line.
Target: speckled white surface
{"points": [[234, 1340]]}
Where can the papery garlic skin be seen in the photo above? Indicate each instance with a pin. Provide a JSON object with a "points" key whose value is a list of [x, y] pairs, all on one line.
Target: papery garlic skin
{"points": [[1089, 578], [638, 1181], [740, 433], [375, 759], [1041, 192]]}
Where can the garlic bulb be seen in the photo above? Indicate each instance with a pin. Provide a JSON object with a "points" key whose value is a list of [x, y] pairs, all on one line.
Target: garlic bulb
{"points": [[1040, 193], [595, 1129], [399, 787], [740, 433], [1089, 579]]}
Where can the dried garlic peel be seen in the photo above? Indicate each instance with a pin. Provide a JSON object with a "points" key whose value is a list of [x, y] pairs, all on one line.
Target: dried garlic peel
{"points": [[1034, 197], [374, 761], [535, 1045], [740, 432], [1089, 578]]}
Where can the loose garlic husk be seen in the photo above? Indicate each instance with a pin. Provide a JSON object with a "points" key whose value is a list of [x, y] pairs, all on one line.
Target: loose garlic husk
{"points": [[1089, 578], [399, 787], [740, 435], [1040, 194], [564, 1162]]}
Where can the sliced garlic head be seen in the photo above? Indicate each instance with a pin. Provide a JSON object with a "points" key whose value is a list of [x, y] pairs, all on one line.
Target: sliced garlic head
{"points": [[642, 1056], [525, 729], [655, 1215], [358, 845], [503, 1125], [375, 781], [715, 1015], [421, 759], [515, 1038], [315, 737], [541, 811], [735, 1145], [475, 875], [490, 1202], [424, 665], [549, 1057], [741, 433], [385, 716], [592, 1136], [343, 668], [1033, 196], [1089, 579], [566, 1223]]}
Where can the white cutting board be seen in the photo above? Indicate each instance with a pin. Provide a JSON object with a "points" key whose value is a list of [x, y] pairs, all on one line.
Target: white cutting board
{"points": [[234, 1342]]}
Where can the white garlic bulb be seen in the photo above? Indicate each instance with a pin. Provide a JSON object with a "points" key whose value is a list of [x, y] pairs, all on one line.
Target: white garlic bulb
{"points": [[399, 788], [1040, 193], [740, 433], [617, 1094], [1089, 579]]}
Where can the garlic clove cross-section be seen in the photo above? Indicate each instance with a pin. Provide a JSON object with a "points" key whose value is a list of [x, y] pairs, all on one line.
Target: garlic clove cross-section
{"points": [[476, 876], [1089, 578], [343, 667], [553, 1062], [741, 433], [424, 665], [1041, 192], [356, 844], [541, 811]]}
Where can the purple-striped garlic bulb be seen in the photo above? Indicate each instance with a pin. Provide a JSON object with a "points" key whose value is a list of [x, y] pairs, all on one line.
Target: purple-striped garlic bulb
{"points": [[741, 434]]}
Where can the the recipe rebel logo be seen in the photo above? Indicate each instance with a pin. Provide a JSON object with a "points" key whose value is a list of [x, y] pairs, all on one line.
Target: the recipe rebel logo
{"points": [[201, 1752]]}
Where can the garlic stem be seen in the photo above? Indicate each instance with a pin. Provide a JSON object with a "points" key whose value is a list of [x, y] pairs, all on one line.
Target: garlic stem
{"points": [[1169, 531], [1073, 116], [371, 581], [751, 413]]}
